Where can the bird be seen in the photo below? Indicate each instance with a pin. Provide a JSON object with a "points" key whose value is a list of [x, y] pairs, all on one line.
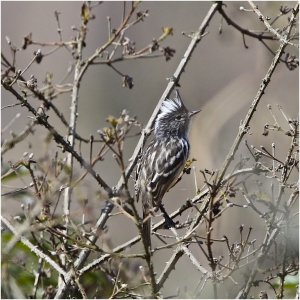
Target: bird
{"points": [[164, 159]]}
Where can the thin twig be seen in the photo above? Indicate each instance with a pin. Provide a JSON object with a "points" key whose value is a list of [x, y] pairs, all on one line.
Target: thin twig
{"points": [[47, 103], [271, 233], [42, 120], [265, 82], [281, 38], [33, 248]]}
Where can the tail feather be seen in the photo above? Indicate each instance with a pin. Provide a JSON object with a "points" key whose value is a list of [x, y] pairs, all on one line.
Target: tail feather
{"points": [[146, 231]]}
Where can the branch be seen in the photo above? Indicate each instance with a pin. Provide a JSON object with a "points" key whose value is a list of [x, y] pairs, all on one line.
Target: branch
{"points": [[47, 103], [265, 82], [170, 266], [262, 18], [242, 30], [100, 50], [9, 144], [271, 233], [33, 248], [73, 121], [188, 204], [42, 120], [175, 79]]}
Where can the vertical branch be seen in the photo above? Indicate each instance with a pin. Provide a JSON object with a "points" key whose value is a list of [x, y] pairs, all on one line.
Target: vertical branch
{"points": [[37, 278], [72, 125], [73, 118]]}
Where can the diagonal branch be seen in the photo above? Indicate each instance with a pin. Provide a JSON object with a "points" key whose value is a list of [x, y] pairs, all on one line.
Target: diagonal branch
{"points": [[281, 38], [175, 79], [243, 30], [47, 103], [33, 248], [271, 233], [42, 120], [170, 266], [173, 215], [265, 82]]}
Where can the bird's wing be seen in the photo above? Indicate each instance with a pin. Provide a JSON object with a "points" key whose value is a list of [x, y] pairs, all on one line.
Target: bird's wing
{"points": [[167, 163]]}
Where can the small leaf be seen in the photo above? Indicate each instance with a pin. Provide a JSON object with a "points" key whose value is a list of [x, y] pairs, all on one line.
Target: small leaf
{"points": [[11, 174], [113, 121], [85, 13], [168, 31], [27, 41], [127, 82]]}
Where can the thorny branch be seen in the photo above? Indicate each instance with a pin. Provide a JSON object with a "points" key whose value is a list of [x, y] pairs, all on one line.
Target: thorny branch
{"points": [[247, 32], [32, 247], [42, 120], [265, 82], [283, 39]]}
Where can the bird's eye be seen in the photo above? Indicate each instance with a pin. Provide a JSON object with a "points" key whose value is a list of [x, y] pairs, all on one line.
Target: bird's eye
{"points": [[178, 118]]}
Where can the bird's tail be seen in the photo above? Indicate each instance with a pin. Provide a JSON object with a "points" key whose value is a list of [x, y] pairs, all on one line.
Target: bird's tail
{"points": [[146, 230]]}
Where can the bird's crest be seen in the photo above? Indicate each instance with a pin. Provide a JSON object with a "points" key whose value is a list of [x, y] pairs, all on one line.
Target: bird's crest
{"points": [[172, 105]]}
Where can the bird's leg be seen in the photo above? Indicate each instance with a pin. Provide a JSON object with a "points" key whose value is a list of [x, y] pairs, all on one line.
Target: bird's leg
{"points": [[168, 221]]}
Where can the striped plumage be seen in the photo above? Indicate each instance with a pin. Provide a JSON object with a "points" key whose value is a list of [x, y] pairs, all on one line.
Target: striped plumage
{"points": [[164, 158]]}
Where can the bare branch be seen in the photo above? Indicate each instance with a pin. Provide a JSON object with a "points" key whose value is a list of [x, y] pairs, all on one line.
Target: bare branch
{"points": [[33, 248]]}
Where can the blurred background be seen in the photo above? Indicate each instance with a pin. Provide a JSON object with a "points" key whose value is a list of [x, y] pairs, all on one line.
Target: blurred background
{"points": [[221, 79]]}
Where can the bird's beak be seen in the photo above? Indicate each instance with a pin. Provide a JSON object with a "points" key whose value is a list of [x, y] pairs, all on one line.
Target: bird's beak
{"points": [[192, 113]]}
